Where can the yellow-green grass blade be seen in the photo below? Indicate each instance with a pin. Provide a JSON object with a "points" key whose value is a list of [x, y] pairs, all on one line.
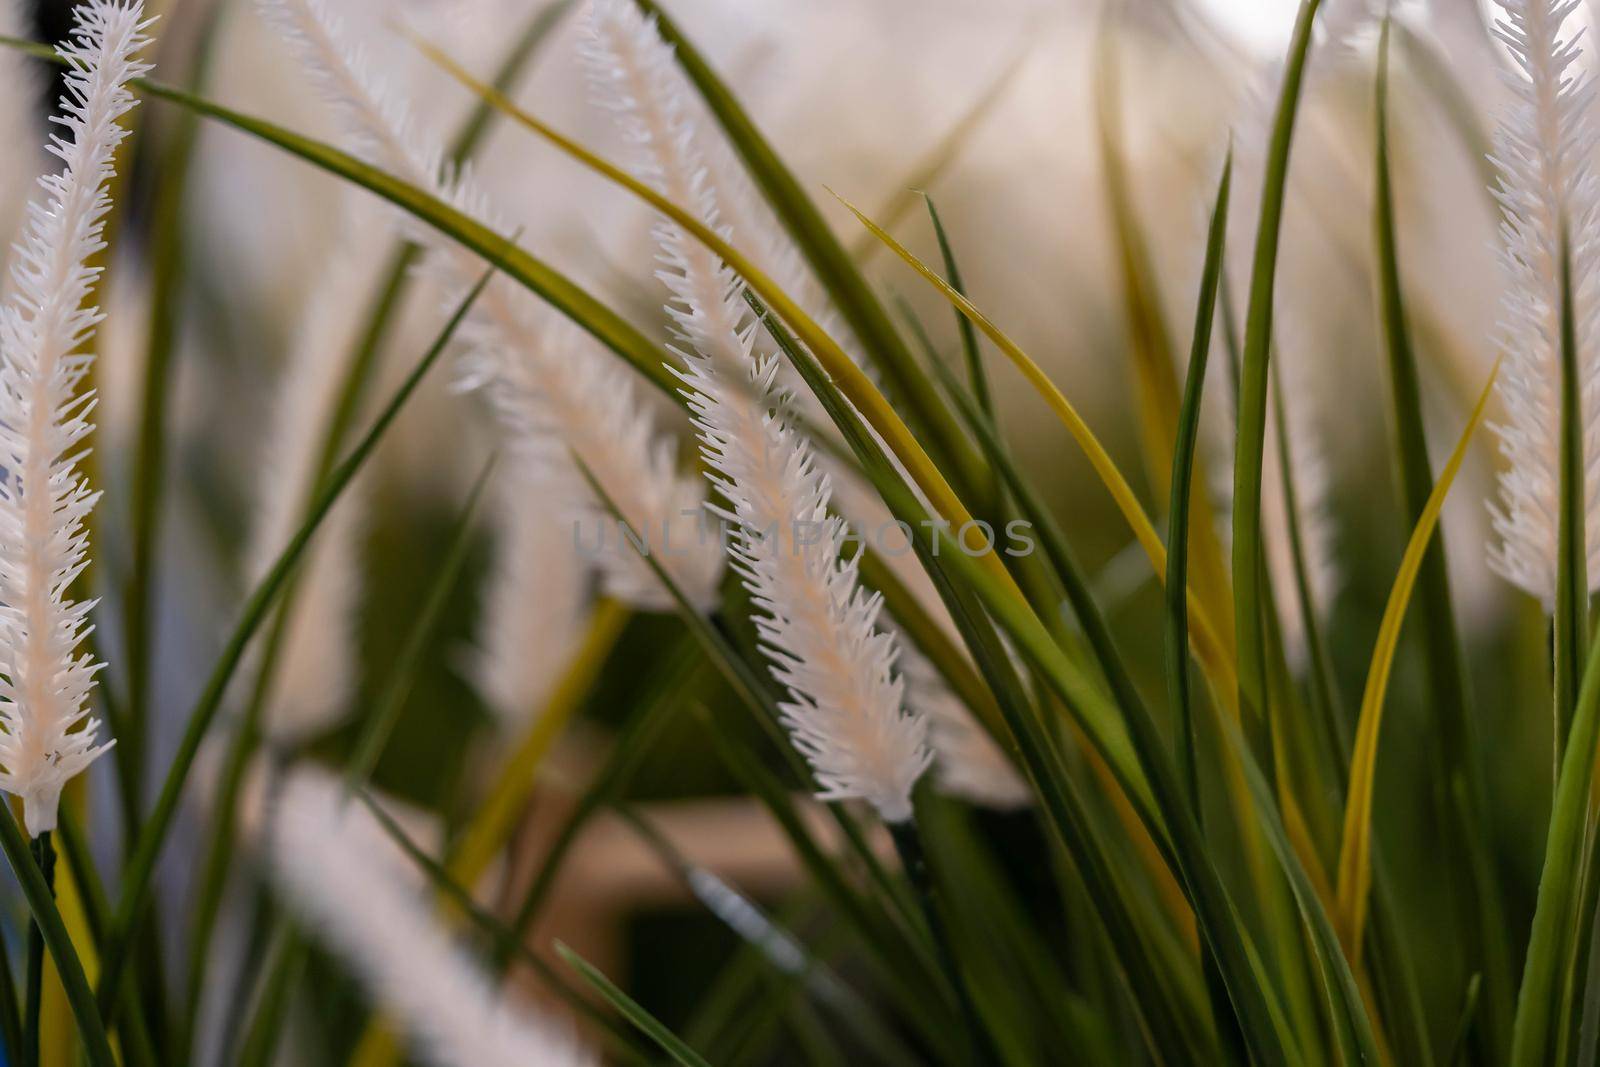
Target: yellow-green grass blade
{"points": [[834, 268], [1461, 774], [1252, 421], [1211, 651], [1355, 849]]}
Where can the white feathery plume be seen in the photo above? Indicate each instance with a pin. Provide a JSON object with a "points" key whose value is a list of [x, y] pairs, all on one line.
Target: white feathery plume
{"points": [[343, 875], [845, 711], [562, 397], [1542, 150], [536, 600], [313, 677], [43, 421], [19, 125]]}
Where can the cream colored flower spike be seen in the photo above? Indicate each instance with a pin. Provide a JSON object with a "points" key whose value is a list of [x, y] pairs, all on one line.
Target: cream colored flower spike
{"points": [[44, 420]]}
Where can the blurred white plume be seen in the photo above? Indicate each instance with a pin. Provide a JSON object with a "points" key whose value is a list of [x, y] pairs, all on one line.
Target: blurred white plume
{"points": [[346, 879]]}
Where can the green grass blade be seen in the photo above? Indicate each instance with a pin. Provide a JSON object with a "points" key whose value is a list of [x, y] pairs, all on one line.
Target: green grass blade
{"points": [[976, 375], [1462, 772], [1571, 622], [42, 905], [140, 868], [1556, 921], [1177, 626], [1252, 423], [630, 1009], [834, 267]]}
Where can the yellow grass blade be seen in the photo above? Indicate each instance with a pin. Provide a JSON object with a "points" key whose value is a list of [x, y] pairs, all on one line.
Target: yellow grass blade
{"points": [[1355, 847], [1210, 650]]}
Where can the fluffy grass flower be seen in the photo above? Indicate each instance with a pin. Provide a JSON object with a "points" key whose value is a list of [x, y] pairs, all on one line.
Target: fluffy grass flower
{"points": [[49, 736], [560, 396], [346, 879], [1542, 152], [817, 625]]}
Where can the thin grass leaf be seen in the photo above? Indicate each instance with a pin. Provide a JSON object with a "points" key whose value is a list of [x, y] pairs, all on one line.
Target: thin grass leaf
{"points": [[977, 377], [647, 1024], [42, 905], [1177, 627], [833, 265], [1462, 783], [1252, 408], [140, 868], [1355, 848]]}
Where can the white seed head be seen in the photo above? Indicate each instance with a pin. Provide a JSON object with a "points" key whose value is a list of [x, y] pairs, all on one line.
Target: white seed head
{"points": [[48, 737], [1546, 189]]}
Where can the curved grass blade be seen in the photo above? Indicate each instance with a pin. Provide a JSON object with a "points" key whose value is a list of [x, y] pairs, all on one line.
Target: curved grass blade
{"points": [[1209, 647], [832, 265], [1355, 849], [978, 379], [140, 868], [1252, 409], [1462, 772]]}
